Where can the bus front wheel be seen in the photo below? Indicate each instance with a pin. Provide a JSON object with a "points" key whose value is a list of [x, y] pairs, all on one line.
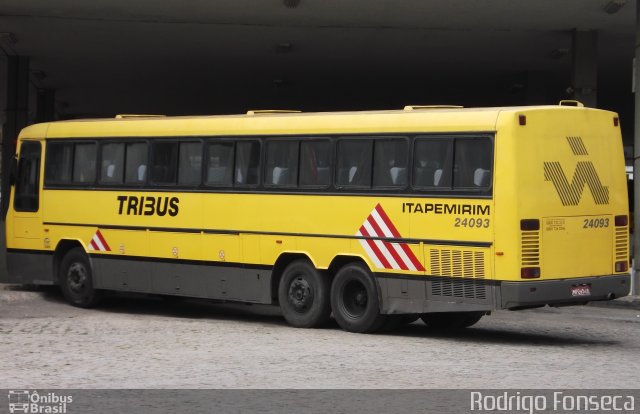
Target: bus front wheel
{"points": [[354, 299], [76, 279], [303, 295]]}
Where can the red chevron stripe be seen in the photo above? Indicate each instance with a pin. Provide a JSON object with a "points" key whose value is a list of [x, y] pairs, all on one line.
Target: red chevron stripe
{"points": [[103, 241], [388, 222], [375, 249], [407, 250], [396, 256]]}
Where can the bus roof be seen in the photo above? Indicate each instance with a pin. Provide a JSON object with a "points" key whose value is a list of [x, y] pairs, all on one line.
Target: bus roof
{"points": [[416, 119]]}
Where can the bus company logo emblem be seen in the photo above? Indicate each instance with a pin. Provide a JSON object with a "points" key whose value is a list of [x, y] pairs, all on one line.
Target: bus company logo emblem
{"points": [[386, 255], [18, 401], [585, 173], [99, 243], [23, 401]]}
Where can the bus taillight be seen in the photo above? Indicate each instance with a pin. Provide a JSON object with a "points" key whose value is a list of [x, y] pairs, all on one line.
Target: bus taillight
{"points": [[622, 220], [530, 272], [529, 224], [622, 266]]}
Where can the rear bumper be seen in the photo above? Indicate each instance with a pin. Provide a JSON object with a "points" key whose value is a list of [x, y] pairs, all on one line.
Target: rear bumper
{"points": [[440, 294], [514, 295]]}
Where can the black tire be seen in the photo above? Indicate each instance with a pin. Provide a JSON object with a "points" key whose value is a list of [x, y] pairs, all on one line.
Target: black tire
{"points": [[451, 320], [303, 294], [354, 299], [76, 280]]}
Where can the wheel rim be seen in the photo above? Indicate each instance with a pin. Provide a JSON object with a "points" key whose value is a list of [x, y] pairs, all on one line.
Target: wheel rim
{"points": [[300, 295], [77, 277], [355, 299]]}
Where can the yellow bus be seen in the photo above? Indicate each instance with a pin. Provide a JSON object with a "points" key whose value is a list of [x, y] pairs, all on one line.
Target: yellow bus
{"points": [[376, 217]]}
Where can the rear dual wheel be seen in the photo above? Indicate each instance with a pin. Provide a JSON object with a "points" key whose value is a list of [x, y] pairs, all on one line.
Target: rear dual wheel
{"points": [[303, 294], [354, 299], [307, 299]]}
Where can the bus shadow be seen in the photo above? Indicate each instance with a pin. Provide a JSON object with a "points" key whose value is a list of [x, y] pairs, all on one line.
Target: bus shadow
{"points": [[486, 335], [189, 308], [177, 307]]}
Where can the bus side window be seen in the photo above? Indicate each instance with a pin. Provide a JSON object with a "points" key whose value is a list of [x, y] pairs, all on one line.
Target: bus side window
{"points": [[281, 163], [164, 163], [354, 163], [28, 179], [432, 163], [472, 165], [190, 163], [315, 163], [136, 165], [84, 163], [112, 163], [247, 163], [58, 163], [390, 163], [219, 164]]}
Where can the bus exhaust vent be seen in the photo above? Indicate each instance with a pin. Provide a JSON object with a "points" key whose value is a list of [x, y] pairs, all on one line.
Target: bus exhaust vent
{"points": [[622, 243], [457, 263], [530, 248], [459, 288]]}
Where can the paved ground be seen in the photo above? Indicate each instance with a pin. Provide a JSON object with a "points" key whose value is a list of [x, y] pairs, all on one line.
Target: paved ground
{"points": [[149, 343]]}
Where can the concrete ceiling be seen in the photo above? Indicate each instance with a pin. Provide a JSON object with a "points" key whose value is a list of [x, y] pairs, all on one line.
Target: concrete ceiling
{"points": [[221, 56]]}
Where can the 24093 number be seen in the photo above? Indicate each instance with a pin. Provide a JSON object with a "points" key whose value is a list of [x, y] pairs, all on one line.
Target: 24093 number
{"points": [[471, 222], [595, 223]]}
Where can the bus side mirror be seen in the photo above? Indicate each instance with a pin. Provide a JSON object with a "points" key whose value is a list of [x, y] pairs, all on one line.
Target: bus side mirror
{"points": [[13, 170]]}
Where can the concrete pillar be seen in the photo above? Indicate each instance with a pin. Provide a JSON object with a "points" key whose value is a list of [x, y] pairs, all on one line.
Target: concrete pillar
{"points": [[584, 67], [16, 113], [45, 105], [635, 286]]}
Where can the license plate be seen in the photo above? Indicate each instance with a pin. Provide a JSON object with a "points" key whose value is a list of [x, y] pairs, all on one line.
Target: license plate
{"points": [[583, 290]]}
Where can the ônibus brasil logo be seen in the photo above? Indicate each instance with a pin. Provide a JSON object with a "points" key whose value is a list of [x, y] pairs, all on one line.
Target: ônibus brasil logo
{"points": [[585, 173], [32, 402]]}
